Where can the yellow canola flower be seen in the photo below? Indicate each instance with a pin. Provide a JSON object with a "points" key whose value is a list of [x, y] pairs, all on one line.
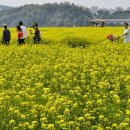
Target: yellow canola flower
{"points": [[34, 124], [67, 111], [2, 80], [12, 122], [51, 127], [54, 86]]}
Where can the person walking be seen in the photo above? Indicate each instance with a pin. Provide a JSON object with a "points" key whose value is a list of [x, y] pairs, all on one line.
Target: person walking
{"points": [[6, 35], [24, 30], [37, 34], [20, 35], [126, 33]]}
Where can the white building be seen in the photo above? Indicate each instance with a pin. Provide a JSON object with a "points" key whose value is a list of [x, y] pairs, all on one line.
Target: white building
{"points": [[102, 22]]}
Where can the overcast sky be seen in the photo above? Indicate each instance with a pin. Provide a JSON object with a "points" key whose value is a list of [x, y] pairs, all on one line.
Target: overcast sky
{"points": [[87, 3]]}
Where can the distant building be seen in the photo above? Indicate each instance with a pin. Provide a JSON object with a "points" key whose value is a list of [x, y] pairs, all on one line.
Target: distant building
{"points": [[103, 22], [98, 22]]}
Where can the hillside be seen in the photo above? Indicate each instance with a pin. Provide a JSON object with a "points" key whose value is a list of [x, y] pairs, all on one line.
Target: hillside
{"points": [[64, 14], [119, 15], [2, 7]]}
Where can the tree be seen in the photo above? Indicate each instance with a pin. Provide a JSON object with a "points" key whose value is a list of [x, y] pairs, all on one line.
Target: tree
{"points": [[94, 9], [63, 14], [128, 9], [119, 9], [103, 12], [112, 11]]}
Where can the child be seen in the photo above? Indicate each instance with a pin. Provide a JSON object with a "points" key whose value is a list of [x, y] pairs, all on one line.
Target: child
{"points": [[37, 35], [20, 35], [6, 35]]}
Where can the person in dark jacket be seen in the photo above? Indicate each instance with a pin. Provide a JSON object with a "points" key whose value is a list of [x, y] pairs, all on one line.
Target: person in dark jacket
{"points": [[6, 35], [37, 34]]}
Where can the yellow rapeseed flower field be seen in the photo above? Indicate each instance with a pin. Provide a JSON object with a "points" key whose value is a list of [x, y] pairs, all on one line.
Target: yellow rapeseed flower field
{"points": [[74, 80]]}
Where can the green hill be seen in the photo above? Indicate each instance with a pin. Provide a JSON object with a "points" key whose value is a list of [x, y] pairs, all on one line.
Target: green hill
{"points": [[2, 7], [64, 14]]}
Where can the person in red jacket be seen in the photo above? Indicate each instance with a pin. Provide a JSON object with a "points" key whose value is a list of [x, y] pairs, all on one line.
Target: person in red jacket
{"points": [[20, 35]]}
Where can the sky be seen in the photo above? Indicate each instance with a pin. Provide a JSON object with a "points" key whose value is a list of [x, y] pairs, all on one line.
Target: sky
{"points": [[87, 3]]}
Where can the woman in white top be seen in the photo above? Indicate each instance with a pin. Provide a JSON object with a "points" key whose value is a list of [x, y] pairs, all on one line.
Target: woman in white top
{"points": [[24, 30], [126, 33]]}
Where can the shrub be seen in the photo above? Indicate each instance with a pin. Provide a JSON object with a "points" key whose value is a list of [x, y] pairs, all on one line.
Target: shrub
{"points": [[75, 41]]}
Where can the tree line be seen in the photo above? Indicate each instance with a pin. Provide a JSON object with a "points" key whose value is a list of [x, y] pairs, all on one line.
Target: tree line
{"points": [[63, 14]]}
